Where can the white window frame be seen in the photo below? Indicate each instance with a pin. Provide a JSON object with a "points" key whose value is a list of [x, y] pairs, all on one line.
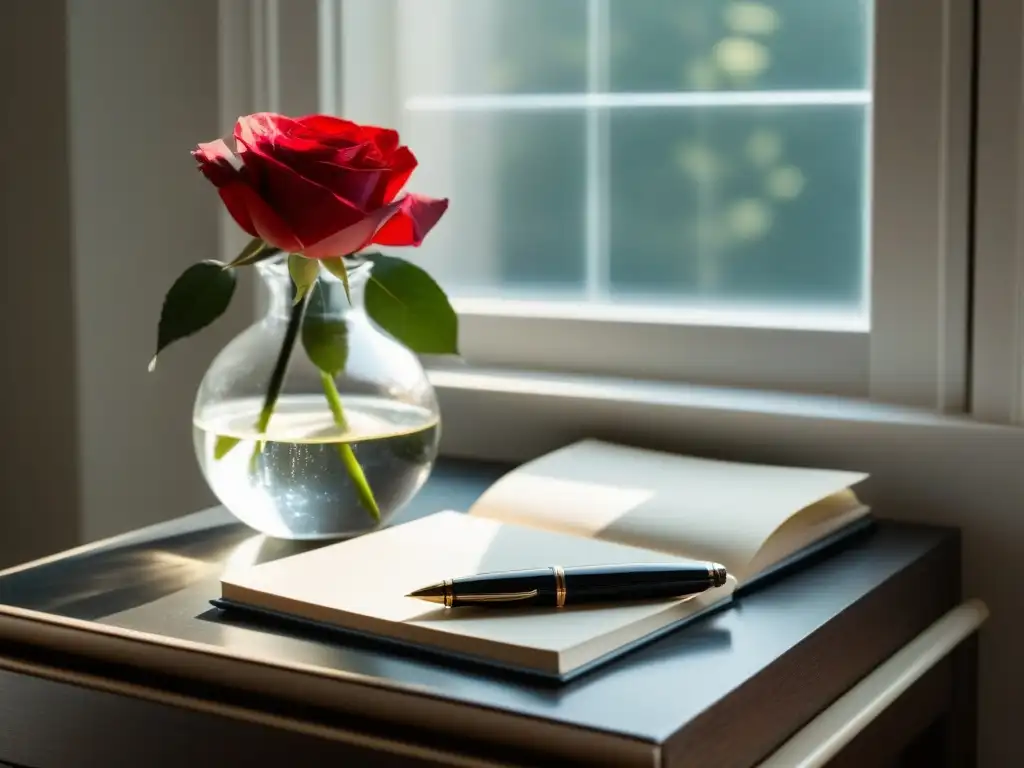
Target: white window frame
{"points": [[997, 332], [917, 351]]}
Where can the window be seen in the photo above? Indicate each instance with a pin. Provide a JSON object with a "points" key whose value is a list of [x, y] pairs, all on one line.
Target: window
{"points": [[741, 192], [699, 156]]}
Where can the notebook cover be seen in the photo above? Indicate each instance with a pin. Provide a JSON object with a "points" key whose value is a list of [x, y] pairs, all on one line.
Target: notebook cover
{"points": [[278, 620]]}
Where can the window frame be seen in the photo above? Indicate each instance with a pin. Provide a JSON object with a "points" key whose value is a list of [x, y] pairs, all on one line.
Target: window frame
{"points": [[917, 351], [997, 330]]}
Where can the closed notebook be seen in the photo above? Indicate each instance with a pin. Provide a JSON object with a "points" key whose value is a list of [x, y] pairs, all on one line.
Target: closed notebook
{"points": [[589, 503]]}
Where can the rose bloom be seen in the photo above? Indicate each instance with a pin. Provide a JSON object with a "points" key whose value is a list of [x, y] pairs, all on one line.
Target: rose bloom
{"points": [[318, 185]]}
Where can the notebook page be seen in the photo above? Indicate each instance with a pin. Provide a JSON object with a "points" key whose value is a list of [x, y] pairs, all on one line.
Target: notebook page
{"points": [[362, 584], [683, 505]]}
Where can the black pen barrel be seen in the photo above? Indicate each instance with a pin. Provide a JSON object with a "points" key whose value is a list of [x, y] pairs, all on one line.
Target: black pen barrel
{"points": [[559, 587], [527, 587], [639, 582]]}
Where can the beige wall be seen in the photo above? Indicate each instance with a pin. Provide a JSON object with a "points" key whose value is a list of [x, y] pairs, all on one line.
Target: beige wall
{"points": [[102, 207], [144, 91], [39, 495]]}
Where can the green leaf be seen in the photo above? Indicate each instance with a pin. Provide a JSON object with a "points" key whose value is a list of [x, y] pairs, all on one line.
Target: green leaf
{"points": [[337, 268], [254, 252], [407, 303], [304, 273], [326, 343], [197, 298], [223, 445]]}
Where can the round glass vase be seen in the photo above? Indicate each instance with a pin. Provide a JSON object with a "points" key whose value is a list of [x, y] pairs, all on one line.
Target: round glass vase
{"points": [[299, 478]]}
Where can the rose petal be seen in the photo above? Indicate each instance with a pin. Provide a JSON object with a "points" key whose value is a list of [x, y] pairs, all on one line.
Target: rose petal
{"points": [[355, 185], [402, 163], [266, 223], [352, 238], [328, 126], [235, 200], [311, 211], [217, 162], [343, 172], [415, 217], [331, 129], [262, 126], [385, 139]]}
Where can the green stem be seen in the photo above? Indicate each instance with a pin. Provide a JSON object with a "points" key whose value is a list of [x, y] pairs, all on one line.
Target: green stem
{"points": [[348, 456], [280, 368], [333, 399]]}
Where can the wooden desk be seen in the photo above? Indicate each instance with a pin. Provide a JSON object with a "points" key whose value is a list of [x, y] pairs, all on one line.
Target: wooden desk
{"points": [[110, 655]]}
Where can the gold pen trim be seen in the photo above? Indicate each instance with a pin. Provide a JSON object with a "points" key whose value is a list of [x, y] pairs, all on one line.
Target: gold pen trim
{"points": [[498, 597], [449, 596], [559, 586]]}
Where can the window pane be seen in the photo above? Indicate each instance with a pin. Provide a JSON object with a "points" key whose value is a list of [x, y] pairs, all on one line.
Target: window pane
{"points": [[667, 45], [634, 151], [516, 182], [459, 47], [750, 204]]}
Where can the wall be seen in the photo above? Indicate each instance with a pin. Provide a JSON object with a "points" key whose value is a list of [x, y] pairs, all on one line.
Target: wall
{"points": [[102, 208], [39, 496], [144, 91]]}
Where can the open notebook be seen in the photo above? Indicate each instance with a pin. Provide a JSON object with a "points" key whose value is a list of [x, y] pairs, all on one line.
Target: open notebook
{"points": [[589, 503]]}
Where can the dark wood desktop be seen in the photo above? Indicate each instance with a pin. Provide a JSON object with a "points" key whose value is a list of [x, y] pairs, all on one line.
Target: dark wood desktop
{"points": [[111, 655]]}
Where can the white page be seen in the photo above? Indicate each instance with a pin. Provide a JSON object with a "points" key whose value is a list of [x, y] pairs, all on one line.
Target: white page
{"points": [[361, 584], [699, 508]]}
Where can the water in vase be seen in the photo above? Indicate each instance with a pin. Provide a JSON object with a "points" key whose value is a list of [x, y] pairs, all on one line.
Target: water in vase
{"points": [[291, 481]]}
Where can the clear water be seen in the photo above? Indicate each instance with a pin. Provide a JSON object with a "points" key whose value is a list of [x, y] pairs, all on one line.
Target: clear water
{"points": [[295, 485]]}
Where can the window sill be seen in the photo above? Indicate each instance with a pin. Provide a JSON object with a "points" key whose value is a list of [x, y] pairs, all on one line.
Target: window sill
{"points": [[512, 415]]}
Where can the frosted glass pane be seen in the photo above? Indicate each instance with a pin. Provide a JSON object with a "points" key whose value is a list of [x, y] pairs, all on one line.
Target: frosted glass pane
{"points": [[668, 45], [710, 152], [755, 205], [464, 47], [517, 185]]}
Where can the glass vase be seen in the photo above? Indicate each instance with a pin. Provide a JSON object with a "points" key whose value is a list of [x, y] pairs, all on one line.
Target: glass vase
{"points": [[373, 425]]}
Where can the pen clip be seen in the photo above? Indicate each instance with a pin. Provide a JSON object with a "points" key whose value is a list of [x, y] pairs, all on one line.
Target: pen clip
{"points": [[497, 597]]}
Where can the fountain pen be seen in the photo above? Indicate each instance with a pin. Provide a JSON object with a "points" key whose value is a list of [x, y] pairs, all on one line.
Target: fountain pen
{"points": [[558, 587]]}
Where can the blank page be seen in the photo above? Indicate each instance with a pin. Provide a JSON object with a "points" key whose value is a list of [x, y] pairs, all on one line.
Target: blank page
{"points": [[361, 584], [691, 507]]}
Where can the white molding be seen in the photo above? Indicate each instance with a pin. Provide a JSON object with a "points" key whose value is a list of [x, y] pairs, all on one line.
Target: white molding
{"points": [[241, 87], [919, 177], [369, 73], [329, 69], [920, 203], [820, 362], [249, 38], [298, 56], [998, 309], [512, 415], [625, 100], [814, 745], [643, 309], [267, 60]]}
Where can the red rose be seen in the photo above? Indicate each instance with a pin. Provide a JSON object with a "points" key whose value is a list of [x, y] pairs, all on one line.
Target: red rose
{"points": [[318, 185]]}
